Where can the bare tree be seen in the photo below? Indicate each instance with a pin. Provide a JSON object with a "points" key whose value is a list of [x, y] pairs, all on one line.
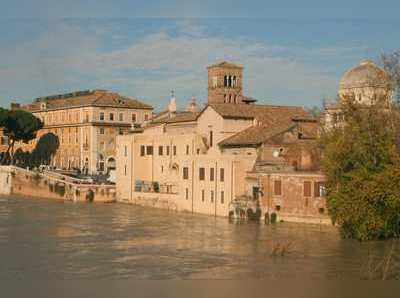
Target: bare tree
{"points": [[391, 63]]}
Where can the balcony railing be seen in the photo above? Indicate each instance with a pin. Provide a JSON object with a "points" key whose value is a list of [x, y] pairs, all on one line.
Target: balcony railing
{"points": [[155, 187]]}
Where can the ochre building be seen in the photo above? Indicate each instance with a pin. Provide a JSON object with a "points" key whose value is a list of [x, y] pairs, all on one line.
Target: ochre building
{"points": [[86, 124], [203, 161]]}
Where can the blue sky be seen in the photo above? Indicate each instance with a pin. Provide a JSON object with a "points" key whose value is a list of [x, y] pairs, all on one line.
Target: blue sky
{"points": [[294, 52]]}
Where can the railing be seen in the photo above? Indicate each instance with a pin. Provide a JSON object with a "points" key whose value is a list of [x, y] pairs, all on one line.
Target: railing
{"points": [[155, 187]]}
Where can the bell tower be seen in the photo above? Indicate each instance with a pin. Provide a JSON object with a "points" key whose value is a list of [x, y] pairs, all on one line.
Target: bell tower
{"points": [[225, 83]]}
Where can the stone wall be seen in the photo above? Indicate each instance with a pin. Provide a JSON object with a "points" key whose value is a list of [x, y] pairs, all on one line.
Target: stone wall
{"points": [[27, 183]]}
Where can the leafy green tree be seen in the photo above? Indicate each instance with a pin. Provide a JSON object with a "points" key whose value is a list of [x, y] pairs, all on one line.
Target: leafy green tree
{"points": [[362, 164], [19, 126]]}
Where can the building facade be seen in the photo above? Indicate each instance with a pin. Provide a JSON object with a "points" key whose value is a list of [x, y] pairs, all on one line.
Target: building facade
{"points": [[204, 161], [85, 125]]}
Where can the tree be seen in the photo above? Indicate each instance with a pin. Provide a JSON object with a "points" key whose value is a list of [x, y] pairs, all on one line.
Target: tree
{"points": [[391, 63], [45, 149], [19, 126], [361, 162]]}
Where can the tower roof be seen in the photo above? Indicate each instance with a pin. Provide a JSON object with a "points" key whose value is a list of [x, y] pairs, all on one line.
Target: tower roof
{"points": [[225, 64]]}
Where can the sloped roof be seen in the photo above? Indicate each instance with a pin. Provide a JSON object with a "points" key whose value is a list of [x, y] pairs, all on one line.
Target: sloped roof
{"points": [[254, 135], [97, 98], [182, 116], [272, 120], [225, 64], [263, 113]]}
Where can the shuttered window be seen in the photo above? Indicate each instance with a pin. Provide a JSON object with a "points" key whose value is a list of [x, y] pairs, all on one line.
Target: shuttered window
{"points": [[202, 173], [185, 173], [307, 189], [278, 187]]}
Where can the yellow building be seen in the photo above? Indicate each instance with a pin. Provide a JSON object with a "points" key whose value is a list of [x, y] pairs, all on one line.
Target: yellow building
{"points": [[200, 161], [86, 124]]}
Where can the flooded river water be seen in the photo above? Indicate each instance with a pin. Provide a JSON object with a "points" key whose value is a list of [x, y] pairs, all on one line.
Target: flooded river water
{"points": [[43, 239]]}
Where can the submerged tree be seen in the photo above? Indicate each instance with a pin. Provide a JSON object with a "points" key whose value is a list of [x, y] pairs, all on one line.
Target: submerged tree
{"points": [[361, 161], [19, 126]]}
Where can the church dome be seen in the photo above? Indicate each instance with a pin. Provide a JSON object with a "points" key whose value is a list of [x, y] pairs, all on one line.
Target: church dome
{"points": [[367, 74]]}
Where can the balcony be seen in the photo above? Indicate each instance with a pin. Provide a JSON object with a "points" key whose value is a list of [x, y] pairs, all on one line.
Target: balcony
{"points": [[155, 187]]}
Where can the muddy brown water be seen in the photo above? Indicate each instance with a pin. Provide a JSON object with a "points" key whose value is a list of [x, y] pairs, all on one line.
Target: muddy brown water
{"points": [[44, 239]]}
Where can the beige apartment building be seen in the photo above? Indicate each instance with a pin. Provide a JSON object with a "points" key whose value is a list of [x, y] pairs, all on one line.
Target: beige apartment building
{"points": [[86, 124], [202, 161]]}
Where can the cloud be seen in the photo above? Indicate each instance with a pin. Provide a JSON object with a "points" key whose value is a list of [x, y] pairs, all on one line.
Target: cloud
{"points": [[67, 57]]}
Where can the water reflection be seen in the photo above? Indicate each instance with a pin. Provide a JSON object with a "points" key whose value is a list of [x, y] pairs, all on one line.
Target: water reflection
{"points": [[47, 239]]}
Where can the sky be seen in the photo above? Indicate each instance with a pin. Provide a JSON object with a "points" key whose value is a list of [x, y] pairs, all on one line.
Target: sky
{"points": [[293, 52]]}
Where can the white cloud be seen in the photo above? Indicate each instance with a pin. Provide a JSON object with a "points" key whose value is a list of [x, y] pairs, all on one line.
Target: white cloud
{"points": [[66, 57]]}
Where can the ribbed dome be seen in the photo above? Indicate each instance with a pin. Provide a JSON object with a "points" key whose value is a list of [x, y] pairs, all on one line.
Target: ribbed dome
{"points": [[367, 74]]}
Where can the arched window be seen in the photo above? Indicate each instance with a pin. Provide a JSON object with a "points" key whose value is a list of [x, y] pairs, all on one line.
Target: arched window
{"points": [[225, 81], [230, 81], [234, 81]]}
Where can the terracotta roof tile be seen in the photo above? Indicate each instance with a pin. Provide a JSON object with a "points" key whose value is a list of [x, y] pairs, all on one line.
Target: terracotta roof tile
{"points": [[97, 98], [225, 64]]}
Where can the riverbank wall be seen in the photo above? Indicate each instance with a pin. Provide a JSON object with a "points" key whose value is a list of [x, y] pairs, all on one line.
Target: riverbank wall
{"points": [[18, 181]]}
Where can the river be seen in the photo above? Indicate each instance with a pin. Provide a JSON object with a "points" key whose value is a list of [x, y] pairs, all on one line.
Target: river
{"points": [[44, 239]]}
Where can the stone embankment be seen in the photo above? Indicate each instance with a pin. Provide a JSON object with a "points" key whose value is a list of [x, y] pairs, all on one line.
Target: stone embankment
{"points": [[18, 181]]}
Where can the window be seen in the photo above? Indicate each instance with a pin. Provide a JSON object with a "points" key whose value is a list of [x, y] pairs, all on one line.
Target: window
{"points": [[202, 174], [160, 150], [125, 170], [102, 131], [121, 117], [222, 197], [162, 169], [149, 150], [111, 116], [211, 138], [212, 196], [187, 149], [185, 173], [142, 150], [167, 150], [126, 151], [319, 189], [133, 117], [202, 195], [146, 117], [102, 145], [221, 175], [307, 189], [186, 193], [211, 174], [277, 187], [121, 131], [101, 116], [174, 148]]}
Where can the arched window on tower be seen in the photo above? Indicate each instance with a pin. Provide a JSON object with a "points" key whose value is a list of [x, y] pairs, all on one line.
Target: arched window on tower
{"points": [[225, 81], [230, 81]]}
